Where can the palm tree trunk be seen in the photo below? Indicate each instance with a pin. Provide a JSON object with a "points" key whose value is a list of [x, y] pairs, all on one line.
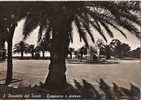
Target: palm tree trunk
{"points": [[43, 52], [9, 64], [9, 73], [56, 79], [71, 55], [22, 54], [32, 54]]}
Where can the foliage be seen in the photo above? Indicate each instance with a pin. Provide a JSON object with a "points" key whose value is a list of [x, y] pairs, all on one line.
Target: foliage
{"points": [[118, 48], [56, 19], [99, 15], [30, 49], [124, 49], [136, 53], [2, 44], [101, 46], [21, 47], [70, 51], [82, 51]]}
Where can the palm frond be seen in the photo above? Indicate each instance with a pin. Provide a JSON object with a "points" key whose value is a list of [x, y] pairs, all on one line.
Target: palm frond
{"points": [[30, 24], [98, 28], [82, 33], [48, 33], [41, 29], [126, 24], [97, 18], [85, 22], [100, 15], [70, 33], [107, 28], [115, 27]]}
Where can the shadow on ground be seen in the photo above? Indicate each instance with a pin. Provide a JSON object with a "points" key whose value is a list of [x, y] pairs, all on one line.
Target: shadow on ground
{"points": [[72, 61], [84, 90]]}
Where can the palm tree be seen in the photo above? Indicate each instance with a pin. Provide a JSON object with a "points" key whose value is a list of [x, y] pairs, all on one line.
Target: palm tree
{"points": [[21, 47], [43, 47], [11, 13], [57, 18], [8, 35], [7, 28], [30, 49]]}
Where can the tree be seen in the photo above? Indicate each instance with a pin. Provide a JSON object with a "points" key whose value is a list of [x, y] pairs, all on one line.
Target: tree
{"points": [[42, 47], [101, 46], [124, 49], [136, 53], [93, 54], [107, 51], [115, 45], [57, 18], [21, 47], [8, 25], [30, 49], [70, 51], [83, 51], [119, 49], [11, 13]]}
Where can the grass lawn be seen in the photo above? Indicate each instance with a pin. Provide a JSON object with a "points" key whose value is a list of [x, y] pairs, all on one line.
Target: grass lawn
{"points": [[33, 71]]}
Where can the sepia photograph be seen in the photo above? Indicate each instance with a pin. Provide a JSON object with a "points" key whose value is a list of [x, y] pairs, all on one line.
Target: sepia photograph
{"points": [[70, 50]]}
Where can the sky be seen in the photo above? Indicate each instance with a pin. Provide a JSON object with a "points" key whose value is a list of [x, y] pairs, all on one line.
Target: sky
{"points": [[32, 39]]}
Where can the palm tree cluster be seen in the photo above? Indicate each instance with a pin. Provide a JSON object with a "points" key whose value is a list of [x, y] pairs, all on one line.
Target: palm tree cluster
{"points": [[56, 19], [23, 47]]}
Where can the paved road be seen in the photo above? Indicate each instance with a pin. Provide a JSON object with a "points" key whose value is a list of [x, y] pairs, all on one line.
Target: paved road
{"points": [[33, 71]]}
